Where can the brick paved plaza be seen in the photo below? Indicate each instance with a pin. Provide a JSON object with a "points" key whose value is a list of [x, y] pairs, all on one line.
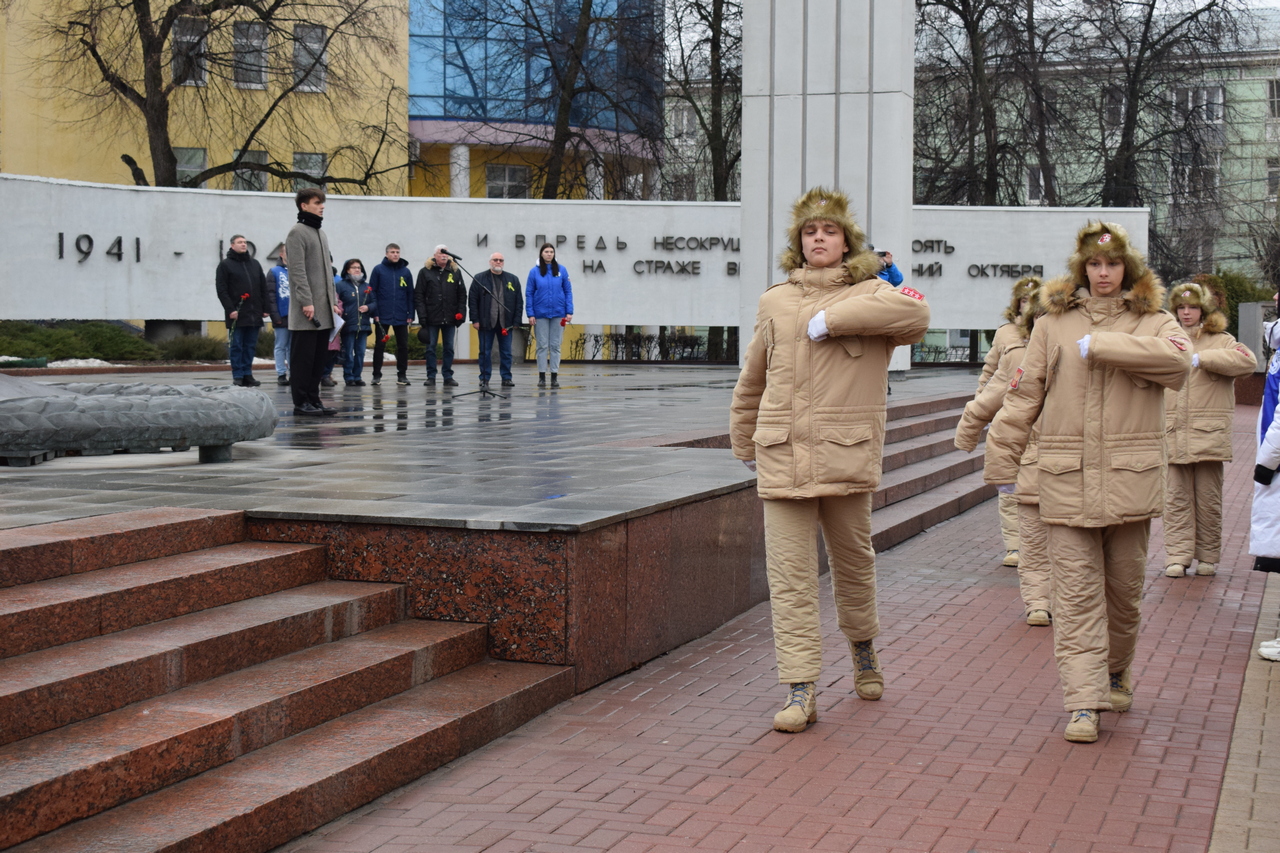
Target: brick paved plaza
{"points": [[964, 753]]}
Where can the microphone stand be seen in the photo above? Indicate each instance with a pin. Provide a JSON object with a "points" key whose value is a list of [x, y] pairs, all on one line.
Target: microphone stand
{"points": [[484, 389]]}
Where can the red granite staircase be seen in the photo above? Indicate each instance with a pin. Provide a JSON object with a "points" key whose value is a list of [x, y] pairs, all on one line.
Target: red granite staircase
{"points": [[167, 685]]}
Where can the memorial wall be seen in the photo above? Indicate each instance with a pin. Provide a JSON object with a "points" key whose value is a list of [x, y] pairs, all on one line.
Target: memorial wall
{"points": [[98, 251]]}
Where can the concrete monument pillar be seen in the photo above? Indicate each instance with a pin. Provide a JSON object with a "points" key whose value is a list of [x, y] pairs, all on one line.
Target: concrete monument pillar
{"points": [[827, 100], [460, 171]]}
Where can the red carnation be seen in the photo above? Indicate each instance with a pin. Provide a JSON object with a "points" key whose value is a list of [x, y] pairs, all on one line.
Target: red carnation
{"points": [[564, 321], [457, 316], [504, 333]]}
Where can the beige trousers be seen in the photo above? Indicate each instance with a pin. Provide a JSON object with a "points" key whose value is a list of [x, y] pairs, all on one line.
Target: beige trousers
{"points": [[1097, 584], [1008, 520], [791, 551], [1035, 578], [1193, 513]]}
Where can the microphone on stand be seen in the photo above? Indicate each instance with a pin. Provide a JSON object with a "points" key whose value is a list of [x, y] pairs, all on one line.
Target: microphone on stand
{"points": [[452, 255]]}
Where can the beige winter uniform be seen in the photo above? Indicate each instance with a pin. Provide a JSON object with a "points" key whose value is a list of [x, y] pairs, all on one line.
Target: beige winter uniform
{"points": [[1101, 460], [1006, 336], [1197, 425], [1034, 579], [811, 414]]}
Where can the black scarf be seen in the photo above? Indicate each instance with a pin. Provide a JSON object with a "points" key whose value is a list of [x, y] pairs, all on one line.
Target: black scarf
{"points": [[307, 218]]}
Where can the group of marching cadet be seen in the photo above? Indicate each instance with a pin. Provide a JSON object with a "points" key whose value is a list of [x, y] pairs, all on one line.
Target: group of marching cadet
{"points": [[1110, 402]]}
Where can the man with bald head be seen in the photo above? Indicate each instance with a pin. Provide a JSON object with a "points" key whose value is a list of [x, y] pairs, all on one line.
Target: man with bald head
{"points": [[496, 305]]}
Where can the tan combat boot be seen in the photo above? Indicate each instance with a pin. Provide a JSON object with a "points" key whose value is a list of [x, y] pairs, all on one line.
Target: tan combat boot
{"points": [[1010, 559], [1175, 570], [1122, 690], [868, 678], [1082, 726], [1206, 569], [801, 708]]}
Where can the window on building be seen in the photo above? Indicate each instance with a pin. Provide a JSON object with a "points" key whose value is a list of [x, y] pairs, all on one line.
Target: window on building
{"points": [[684, 121], [311, 164], [1273, 98], [503, 181], [1038, 183], [1273, 178], [1113, 108], [1200, 103], [1194, 176], [248, 179], [189, 43], [684, 187], [249, 46], [310, 61], [191, 162]]}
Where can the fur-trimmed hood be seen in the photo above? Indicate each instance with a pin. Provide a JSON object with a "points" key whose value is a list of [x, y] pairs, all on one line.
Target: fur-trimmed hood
{"points": [[861, 267], [1145, 296], [1026, 320]]}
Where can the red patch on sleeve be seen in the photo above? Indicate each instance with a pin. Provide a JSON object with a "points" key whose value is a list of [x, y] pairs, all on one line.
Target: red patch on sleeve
{"points": [[1017, 377], [1178, 342], [912, 292], [1241, 348]]}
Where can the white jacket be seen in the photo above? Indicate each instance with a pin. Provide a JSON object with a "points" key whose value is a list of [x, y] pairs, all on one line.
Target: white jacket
{"points": [[1264, 527]]}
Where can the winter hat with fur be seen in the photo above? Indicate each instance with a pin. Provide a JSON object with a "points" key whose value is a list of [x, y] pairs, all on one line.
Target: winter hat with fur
{"points": [[821, 204], [1190, 293], [1023, 287], [1109, 240]]}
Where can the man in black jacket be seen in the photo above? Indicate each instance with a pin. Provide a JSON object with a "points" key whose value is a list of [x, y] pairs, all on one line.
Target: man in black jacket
{"points": [[496, 305], [242, 292], [440, 298]]}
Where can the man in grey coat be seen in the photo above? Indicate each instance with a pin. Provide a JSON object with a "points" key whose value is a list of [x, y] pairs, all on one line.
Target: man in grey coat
{"points": [[310, 302]]}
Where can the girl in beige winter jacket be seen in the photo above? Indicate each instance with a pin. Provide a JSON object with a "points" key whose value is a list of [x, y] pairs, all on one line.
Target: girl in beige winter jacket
{"points": [[1008, 335], [1197, 424], [1096, 366], [1034, 581], [808, 416]]}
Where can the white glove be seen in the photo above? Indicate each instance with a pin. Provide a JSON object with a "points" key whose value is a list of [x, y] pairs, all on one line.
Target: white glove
{"points": [[751, 464], [818, 326], [1195, 360], [1084, 346], [1007, 488]]}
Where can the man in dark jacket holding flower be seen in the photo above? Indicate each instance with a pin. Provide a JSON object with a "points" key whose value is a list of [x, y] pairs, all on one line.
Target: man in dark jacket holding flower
{"points": [[441, 300], [496, 305], [242, 292]]}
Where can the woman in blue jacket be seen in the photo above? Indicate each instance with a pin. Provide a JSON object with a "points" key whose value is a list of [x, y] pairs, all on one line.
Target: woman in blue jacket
{"points": [[548, 299], [359, 305]]}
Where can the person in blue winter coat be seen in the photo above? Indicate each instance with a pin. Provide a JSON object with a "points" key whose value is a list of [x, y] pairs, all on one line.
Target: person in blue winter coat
{"points": [[278, 308], [548, 299], [888, 269], [359, 306], [392, 283]]}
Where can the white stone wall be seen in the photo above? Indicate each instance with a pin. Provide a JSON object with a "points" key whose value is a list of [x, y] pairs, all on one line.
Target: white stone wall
{"points": [[180, 232]]}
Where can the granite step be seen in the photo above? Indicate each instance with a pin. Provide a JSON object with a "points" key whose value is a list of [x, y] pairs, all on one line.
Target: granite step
{"points": [[918, 477], [898, 522], [45, 551], [930, 424], [66, 609], [916, 449], [53, 687], [267, 797], [88, 767], [919, 406]]}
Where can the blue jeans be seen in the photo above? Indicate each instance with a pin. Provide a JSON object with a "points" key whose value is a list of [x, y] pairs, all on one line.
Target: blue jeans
{"points": [[444, 333], [548, 332], [486, 353], [244, 340], [282, 350], [353, 347]]}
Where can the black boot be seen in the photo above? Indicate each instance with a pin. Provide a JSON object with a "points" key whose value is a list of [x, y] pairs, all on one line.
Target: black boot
{"points": [[555, 383], [542, 380]]}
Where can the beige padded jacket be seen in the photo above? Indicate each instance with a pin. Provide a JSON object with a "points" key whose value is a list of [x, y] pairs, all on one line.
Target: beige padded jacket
{"points": [[1005, 337], [980, 411], [811, 413], [1198, 417], [1101, 460]]}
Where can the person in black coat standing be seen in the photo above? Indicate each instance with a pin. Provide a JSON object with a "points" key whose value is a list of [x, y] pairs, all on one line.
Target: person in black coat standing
{"points": [[496, 305], [441, 301], [243, 294]]}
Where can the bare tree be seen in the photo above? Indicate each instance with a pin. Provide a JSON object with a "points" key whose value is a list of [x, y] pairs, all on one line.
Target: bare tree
{"points": [[704, 74], [242, 71]]}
